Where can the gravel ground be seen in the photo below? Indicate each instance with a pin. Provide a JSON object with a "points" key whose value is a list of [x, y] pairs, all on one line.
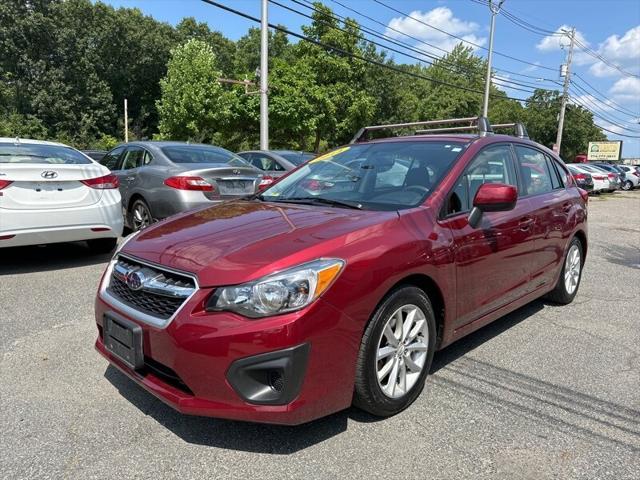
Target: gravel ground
{"points": [[546, 392]]}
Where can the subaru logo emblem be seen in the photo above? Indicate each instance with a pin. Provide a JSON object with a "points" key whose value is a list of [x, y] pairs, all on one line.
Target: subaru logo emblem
{"points": [[49, 174], [135, 280]]}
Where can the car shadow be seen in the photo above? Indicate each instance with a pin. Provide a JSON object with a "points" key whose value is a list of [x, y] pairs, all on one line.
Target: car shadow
{"points": [[41, 258], [284, 440]]}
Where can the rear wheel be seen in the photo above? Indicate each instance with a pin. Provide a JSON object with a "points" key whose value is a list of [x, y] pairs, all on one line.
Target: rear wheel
{"points": [[627, 185], [102, 245], [569, 281], [140, 215], [395, 353]]}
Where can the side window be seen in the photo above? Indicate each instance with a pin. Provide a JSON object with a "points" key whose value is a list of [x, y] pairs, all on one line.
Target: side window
{"points": [[562, 171], [132, 158], [534, 171], [266, 163], [553, 171], [110, 160], [492, 165], [147, 158]]}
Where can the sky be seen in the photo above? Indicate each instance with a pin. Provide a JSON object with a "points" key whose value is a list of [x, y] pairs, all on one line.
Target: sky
{"points": [[609, 28]]}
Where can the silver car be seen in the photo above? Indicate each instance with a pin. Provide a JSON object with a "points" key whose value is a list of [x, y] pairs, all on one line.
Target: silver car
{"points": [[159, 179], [276, 163]]}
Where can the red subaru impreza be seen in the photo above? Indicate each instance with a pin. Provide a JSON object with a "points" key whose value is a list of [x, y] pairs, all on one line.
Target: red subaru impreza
{"points": [[336, 285]]}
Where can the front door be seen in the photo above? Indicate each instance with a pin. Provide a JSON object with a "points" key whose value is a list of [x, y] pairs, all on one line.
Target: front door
{"points": [[492, 259]]}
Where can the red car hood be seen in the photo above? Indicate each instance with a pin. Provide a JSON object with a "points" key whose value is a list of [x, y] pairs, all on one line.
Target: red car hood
{"points": [[240, 241]]}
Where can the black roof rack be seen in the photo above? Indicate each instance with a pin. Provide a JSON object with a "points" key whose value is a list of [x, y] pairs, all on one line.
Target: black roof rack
{"points": [[521, 130], [480, 124]]}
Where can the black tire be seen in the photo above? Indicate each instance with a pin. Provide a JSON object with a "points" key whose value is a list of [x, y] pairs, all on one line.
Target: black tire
{"points": [[626, 186], [102, 245], [560, 294], [138, 223], [368, 394]]}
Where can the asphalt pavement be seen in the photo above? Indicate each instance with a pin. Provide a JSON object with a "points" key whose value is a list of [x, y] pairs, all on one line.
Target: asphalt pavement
{"points": [[546, 392]]}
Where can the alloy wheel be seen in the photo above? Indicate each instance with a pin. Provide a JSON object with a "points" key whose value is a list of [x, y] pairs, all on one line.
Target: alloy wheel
{"points": [[572, 265], [140, 217], [402, 351]]}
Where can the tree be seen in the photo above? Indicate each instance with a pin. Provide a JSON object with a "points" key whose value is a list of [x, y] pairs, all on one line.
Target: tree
{"points": [[193, 105]]}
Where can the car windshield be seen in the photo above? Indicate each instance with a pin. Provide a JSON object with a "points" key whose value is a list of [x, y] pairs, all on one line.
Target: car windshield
{"points": [[377, 176], [202, 154], [297, 158], [41, 154]]}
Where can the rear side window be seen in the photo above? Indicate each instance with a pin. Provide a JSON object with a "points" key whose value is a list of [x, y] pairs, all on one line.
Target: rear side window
{"points": [[110, 160], [492, 165], [562, 171], [132, 158], [264, 162], [553, 172], [41, 154], [534, 171]]}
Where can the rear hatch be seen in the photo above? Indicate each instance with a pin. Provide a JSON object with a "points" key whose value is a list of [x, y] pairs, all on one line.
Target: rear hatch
{"points": [[230, 181], [43, 187]]}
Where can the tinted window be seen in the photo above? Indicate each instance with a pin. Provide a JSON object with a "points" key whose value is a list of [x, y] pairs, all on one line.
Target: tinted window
{"points": [[202, 154], [534, 171], [379, 176], [555, 176], [491, 165], [110, 160], [297, 158], [41, 154], [148, 158], [132, 158], [562, 171], [264, 162]]}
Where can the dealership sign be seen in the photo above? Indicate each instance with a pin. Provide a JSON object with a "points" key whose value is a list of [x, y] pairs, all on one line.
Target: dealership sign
{"points": [[605, 151]]}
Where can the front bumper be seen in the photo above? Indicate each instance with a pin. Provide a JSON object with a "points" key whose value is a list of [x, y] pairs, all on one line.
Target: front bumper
{"points": [[222, 365]]}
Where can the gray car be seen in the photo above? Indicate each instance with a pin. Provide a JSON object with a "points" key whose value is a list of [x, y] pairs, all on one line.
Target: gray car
{"points": [[159, 179], [276, 163]]}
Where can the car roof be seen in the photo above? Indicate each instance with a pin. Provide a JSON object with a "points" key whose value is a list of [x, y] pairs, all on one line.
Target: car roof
{"points": [[167, 143], [30, 141]]}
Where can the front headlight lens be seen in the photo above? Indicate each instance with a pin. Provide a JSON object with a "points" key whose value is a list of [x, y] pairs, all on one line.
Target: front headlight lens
{"points": [[283, 292]]}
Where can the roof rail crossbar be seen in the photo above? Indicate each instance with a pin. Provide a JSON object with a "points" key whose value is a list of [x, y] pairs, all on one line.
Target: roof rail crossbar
{"points": [[521, 130], [447, 129], [475, 123]]}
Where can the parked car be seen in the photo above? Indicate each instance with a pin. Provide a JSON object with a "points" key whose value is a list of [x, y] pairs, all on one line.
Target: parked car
{"points": [[159, 179], [95, 154], [632, 178], [600, 178], [615, 169], [286, 306], [611, 178], [275, 163], [583, 179], [50, 193]]}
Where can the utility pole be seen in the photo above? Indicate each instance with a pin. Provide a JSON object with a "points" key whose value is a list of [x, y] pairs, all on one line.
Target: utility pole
{"points": [[126, 122], [565, 90], [495, 9], [264, 79]]}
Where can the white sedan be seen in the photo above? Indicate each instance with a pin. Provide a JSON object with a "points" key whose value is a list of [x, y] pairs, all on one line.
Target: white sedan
{"points": [[52, 193], [600, 177]]}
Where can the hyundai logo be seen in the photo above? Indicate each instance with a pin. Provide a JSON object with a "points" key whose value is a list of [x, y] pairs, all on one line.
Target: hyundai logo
{"points": [[135, 280], [236, 172], [49, 174]]}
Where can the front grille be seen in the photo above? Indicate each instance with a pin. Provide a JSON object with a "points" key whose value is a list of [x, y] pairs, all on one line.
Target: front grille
{"points": [[160, 293]]}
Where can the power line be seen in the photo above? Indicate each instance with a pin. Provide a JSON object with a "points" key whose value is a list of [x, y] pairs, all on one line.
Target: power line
{"points": [[521, 22], [607, 104], [594, 89], [441, 61], [604, 60], [359, 57], [586, 103], [459, 38]]}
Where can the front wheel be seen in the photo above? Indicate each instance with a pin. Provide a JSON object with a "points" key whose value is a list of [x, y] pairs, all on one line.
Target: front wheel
{"points": [[570, 276], [396, 352], [627, 185]]}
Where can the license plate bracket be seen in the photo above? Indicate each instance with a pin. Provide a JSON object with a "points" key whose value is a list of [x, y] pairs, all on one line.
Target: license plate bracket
{"points": [[123, 339]]}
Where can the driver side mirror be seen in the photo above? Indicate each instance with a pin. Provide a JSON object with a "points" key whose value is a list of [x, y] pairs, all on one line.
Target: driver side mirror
{"points": [[492, 197]]}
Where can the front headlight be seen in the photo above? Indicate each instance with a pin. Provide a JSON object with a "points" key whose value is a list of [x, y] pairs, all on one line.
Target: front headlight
{"points": [[286, 291]]}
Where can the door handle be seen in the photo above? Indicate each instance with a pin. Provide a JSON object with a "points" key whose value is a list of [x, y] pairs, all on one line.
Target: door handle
{"points": [[525, 223]]}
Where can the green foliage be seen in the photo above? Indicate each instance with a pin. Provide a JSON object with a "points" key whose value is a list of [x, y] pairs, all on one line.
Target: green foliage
{"points": [[66, 67], [193, 104]]}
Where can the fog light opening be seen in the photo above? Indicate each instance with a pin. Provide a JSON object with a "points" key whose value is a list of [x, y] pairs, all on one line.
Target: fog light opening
{"points": [[276, 380]]}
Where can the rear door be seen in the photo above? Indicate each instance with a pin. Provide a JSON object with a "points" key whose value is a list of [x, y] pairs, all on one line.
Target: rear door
{"points": [[268, 164], [128, 171], [492, 260], [542, 185]]}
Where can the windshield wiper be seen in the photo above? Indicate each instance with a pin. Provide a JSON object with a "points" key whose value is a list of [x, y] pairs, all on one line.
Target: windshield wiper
{"points": [[321, 200]]}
